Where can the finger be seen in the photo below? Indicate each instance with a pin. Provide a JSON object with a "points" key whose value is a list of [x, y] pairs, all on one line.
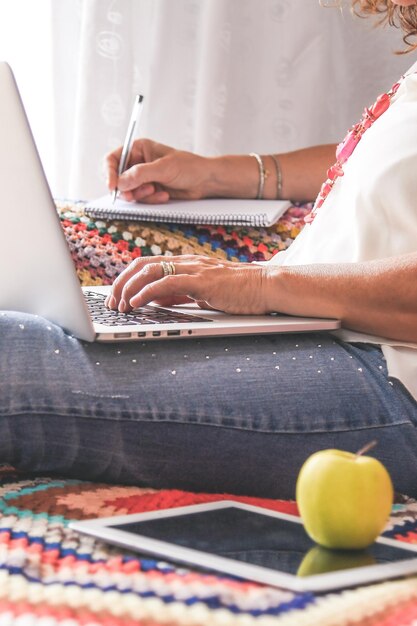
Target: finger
{"points": [[159, 197], [178, 286], [139, 194], [142, 173], [127, 196], [174, 301], [118, 284], [135, 267], [171, 301], [146, 150], [150, 273], [183, 263], [111, 163], [150, 195], [204, 305]]}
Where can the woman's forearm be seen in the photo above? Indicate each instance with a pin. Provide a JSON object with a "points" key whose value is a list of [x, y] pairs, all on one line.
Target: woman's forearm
{"points": [[303, 172], [375, 297]]}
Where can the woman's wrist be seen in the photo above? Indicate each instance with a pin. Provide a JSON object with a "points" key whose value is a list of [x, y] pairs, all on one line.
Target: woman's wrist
{"points": [[242, 176], [288, 290], [296, 175], [232, 176]]}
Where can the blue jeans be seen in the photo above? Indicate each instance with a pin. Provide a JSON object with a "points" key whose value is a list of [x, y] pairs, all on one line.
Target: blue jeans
{"points": [[236, 415]]}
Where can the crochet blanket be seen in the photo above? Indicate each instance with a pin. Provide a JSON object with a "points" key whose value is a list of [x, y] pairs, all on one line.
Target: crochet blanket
{"points": [[102, 249], [51, 575]]}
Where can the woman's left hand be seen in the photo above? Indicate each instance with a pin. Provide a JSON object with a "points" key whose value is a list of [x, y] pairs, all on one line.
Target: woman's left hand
{"points": [[238, 288]]}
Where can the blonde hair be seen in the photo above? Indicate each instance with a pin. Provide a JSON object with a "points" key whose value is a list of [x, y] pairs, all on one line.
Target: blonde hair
{"points": [[395, 15]]}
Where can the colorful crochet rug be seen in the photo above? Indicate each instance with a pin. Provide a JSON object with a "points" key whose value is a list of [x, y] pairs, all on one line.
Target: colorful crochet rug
{"points": [[51, 575], [101, 250]]}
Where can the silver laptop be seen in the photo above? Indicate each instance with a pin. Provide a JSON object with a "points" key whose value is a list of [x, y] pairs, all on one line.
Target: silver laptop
{"points": [[37, 274]]}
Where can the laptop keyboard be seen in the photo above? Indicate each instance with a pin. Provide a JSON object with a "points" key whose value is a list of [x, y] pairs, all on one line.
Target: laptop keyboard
{"points": [[144, 315]]}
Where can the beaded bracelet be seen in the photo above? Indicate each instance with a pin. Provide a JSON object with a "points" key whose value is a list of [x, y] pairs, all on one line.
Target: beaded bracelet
{"points": [[262, 174], [279, 176]]}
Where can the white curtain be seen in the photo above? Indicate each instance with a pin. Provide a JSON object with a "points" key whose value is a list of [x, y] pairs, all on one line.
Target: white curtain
{"points": [[25, 43], [219, 76]]}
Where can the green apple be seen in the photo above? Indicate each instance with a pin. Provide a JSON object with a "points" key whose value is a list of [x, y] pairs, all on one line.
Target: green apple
{"points": [[320, 560], [344, 499]]}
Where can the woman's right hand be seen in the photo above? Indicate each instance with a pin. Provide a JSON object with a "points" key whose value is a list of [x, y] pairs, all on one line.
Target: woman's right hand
{"points": [[157, 173]]}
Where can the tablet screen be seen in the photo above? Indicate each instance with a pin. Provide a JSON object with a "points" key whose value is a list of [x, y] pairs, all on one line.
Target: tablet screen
{"points": [[257, 539]]}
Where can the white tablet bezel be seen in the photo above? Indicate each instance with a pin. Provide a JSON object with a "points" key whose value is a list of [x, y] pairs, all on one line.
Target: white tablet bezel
{"points": [[101, 529]]}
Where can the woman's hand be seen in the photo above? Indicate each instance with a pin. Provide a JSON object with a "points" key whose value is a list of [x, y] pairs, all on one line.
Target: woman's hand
{"points": [[157, 173], [238, 288], [377, 297]]}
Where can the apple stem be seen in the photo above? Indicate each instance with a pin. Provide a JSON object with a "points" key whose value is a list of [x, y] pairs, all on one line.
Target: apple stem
{"points": [[366, 448]]}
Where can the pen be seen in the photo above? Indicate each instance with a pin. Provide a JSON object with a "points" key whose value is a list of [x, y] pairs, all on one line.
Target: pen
{"points": [[134, 120]]}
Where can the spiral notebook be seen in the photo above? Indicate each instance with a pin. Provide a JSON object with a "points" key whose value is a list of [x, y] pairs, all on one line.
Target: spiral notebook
{"points": [[208, 211]]}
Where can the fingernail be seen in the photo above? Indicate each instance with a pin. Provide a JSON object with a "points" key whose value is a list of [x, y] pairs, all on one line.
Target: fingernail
{"points": [[112, 302], [122, 306]]}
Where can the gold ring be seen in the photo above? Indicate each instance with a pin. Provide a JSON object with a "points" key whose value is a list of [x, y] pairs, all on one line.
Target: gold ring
{"points": [[168, 268]]}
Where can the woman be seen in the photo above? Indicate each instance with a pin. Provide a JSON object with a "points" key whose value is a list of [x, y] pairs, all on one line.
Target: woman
{"points": [[242, 414]]}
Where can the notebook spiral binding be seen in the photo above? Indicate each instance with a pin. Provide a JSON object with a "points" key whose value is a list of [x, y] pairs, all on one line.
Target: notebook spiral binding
{"points": [[257, 220]]}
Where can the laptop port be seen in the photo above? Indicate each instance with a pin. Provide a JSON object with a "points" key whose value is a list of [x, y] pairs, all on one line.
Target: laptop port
{"points": [[171, 333], [122, 335], [156, 333], [142, 334]]}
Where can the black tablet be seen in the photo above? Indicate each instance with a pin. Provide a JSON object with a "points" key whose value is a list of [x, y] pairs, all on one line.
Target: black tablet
{"points": [[252, 543]]}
